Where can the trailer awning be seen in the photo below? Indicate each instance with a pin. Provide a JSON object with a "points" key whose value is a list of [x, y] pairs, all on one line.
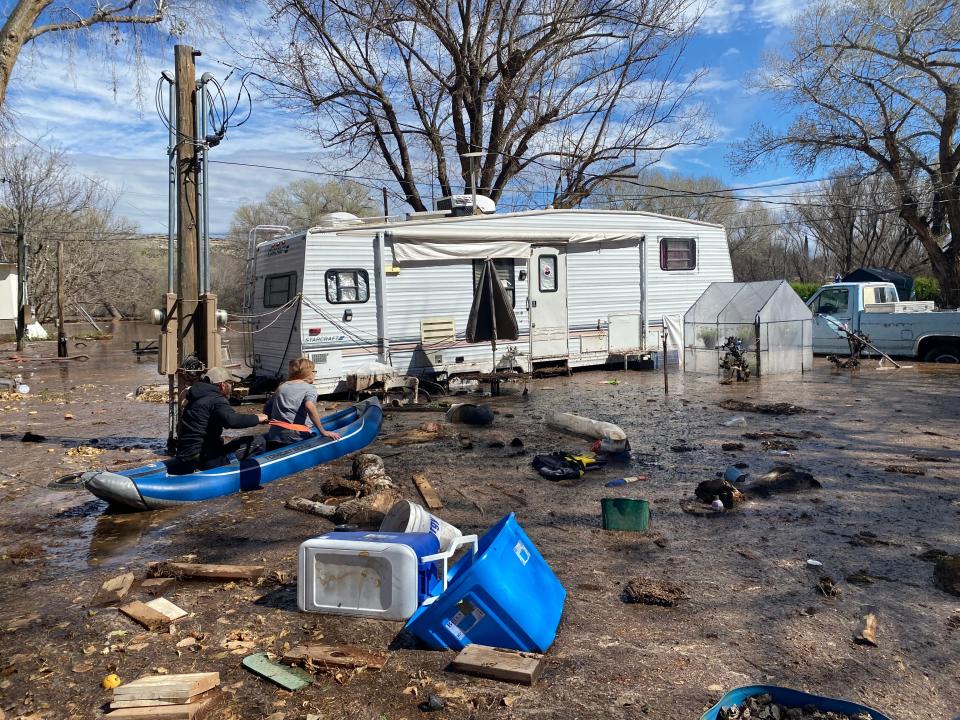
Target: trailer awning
{"points": [[444, 243]]}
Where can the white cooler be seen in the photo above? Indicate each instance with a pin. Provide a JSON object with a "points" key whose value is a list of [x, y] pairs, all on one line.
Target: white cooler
{"points": [[368, 574]]}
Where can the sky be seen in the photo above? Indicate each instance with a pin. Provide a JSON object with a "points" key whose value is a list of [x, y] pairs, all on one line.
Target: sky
{"points": [[110, 130]]}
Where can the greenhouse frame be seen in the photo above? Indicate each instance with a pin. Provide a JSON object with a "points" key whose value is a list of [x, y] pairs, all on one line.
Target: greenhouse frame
{"points": [[774, 326]]}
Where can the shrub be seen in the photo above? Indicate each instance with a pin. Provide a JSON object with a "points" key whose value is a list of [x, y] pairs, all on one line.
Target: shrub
{"points": [[926, 288], [804, 289]]}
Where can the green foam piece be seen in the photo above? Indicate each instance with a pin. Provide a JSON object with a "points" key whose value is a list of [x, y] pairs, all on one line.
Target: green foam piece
{"points": [[289, 678]]}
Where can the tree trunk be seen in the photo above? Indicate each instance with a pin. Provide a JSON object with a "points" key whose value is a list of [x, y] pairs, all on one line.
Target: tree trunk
{"points": [[14, 35]]}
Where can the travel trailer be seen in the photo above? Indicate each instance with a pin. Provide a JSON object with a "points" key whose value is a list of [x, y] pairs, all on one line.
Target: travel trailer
{"points": [[587, 287]]}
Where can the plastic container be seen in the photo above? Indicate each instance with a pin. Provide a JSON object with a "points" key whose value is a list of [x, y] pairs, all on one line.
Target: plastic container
{"points": [[791, 698], [408, 517], [367, 574], [735, 421], [503, 595], [625, 514], [734, 474]]}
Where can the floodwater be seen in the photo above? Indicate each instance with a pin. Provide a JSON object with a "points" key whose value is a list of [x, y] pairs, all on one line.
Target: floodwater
{"points": [[753, 613]]}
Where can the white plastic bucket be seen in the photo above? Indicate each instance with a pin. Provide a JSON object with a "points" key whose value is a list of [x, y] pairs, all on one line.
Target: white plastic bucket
{"points": [[408, 517]]}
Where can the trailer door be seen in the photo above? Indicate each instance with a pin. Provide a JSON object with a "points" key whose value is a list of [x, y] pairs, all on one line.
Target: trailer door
{"points": [[548, 303]]}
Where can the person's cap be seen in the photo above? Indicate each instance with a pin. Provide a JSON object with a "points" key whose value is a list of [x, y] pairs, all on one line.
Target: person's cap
{"points": [[217, 375]]}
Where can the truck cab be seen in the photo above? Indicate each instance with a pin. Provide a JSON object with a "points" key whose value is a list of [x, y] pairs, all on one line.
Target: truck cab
{"points": [[843, 302]]}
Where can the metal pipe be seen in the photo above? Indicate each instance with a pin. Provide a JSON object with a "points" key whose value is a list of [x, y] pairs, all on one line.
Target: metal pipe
{"points": [[643, 292], [204, 255], [380, 277], [172, 179]]}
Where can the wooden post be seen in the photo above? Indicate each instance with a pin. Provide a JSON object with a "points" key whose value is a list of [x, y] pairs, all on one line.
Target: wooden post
{"points": [[61, 331], [386, 206], [666, 383], [21, 286], [187, 227]]}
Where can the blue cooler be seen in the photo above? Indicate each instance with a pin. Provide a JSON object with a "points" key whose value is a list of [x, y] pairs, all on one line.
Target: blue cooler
{"points": [[504, 595], [368, 574]]}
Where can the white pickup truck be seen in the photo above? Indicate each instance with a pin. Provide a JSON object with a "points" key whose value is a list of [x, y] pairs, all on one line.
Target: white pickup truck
{"points": [[899, 328]]}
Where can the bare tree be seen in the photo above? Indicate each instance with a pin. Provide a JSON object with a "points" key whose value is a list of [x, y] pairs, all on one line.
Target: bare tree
{"points": [[703, 198], [52, 204], [850, 221], [300, 205], [570, 91], [878, 85], [32, 19]]}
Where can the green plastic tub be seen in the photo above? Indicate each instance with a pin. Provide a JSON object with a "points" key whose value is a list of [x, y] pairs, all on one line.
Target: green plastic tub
{"points": [[625, 514]]}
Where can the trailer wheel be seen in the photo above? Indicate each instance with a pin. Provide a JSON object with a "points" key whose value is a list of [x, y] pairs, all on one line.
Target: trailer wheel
{"points": [[945, 353]]}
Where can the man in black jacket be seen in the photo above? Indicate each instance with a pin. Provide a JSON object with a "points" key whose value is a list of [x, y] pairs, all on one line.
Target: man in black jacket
{"points": [[205, 417]]}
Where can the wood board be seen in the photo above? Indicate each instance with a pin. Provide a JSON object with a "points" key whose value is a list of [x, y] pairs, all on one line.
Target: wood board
{"points": [[167, 687], [289, 678], [190, 711], [499, 664], [427, 492], [205, 571], [335, 656], [118, 704], [167, 608], [145, 615]]}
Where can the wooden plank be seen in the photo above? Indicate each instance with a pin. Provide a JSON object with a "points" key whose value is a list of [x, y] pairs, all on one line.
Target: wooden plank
{"points": [[334, 656], [189, 711], [427, 492], [167, 608], [114, 589], [204, 571], [289, 678], [867, 634], [157, 586], [499, 664], [145, 615], [118, 704], [167, 687]]}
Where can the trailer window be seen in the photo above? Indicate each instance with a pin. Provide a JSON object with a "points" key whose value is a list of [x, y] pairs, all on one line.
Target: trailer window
{"points": [[504, 268], [678, 254], [279, 289], [347, 286], [547, 272]]}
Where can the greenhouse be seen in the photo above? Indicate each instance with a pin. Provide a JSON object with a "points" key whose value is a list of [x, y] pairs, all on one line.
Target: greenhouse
{"points": [[769, 321]]}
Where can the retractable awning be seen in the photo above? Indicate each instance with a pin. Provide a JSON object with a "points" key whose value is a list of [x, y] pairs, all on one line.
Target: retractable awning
{"points": [[444, 242]]}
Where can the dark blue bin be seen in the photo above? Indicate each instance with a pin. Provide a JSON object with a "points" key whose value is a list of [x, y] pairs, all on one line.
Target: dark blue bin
{"points": [[504, 596], [790, 698]]}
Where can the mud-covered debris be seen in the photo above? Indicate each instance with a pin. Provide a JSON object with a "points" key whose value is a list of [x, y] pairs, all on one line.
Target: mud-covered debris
{"points": [[769, 435], [646, 591], [946, 574], [29, 437], [710, 490], [919, 457], [681, 448], [433, 703], [782, 479], [84, 451], [778, 445], [905, 470], [867, 632], [865, 538], [863, 577], [781, 408], [732, 446], [828, 587], [762, 707], [470, 414]]}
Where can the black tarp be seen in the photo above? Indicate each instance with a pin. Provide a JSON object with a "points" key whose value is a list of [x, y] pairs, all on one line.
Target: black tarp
{"points": [[491, 317], [903, 283]]}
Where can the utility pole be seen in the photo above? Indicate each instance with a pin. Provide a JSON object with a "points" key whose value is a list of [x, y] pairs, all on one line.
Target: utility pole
{"points": [[61, 331], [185, 78], [21, 285]]}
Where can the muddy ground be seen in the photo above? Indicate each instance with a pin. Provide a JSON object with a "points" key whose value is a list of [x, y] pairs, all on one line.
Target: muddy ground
{"points": [[753, 613]]}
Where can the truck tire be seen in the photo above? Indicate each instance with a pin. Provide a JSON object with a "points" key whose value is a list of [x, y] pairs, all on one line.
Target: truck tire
{"points": [[943, 353]]}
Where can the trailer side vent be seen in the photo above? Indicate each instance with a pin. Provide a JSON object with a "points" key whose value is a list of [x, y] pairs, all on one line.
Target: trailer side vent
{"points": [[318, 358], [435, 330]]}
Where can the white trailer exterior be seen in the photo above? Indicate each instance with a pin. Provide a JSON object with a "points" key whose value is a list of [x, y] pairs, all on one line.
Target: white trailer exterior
{"points": [[587, 286]]}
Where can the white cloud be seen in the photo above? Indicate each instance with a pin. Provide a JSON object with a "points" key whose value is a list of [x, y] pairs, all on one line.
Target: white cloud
{"points": [[730, 52], [718, 16], [779, 13]]}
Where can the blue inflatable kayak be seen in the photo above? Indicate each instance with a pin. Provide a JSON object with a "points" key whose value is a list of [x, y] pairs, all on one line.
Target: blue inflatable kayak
{"points": [[150, 487]]}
